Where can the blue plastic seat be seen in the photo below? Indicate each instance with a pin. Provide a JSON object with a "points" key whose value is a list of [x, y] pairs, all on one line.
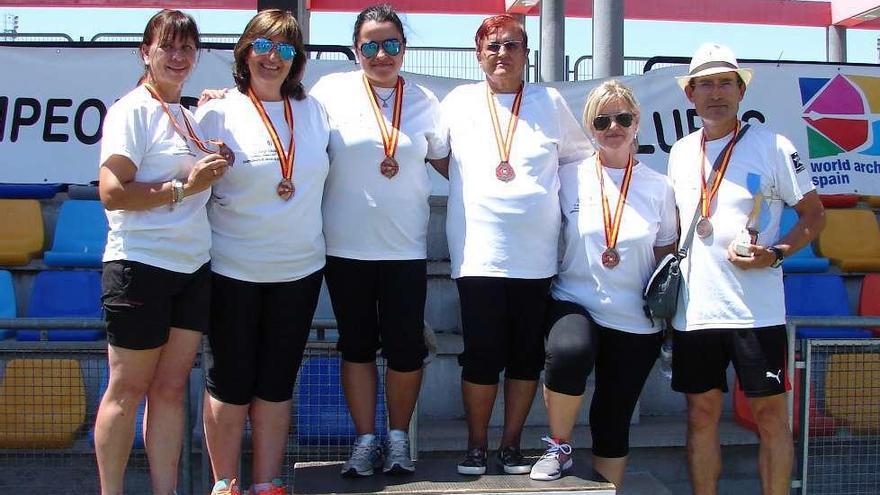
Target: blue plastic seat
{"points": [[65, 294], [322, 416], [7, 301], [805, 260], [30, 191], [80, 235], [820, 295]]}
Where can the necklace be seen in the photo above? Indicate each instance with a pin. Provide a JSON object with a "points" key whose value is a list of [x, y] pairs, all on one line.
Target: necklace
{"points": [[385, 100]]}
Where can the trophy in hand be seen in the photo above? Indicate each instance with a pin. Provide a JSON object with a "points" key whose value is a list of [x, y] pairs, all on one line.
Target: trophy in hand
{"points": [[758, 218]]}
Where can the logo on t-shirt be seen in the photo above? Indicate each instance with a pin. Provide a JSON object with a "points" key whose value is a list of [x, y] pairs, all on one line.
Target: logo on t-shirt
{"points": [[797, 163], [576, 207]]}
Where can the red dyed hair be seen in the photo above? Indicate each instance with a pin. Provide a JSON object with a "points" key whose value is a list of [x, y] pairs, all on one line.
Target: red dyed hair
{"points": [[496, 22]]}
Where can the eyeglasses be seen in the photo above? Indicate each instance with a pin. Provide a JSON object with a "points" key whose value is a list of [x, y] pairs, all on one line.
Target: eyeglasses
{"points": [[602, 122], [263, 46], [509, 46], [371, 48]]}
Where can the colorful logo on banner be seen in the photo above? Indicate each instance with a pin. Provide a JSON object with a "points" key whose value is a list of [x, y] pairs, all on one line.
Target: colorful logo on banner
{"points": [[842, 114]]}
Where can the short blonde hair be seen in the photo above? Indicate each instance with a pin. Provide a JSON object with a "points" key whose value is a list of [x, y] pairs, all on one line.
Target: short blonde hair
{"points": [[611, 89]]}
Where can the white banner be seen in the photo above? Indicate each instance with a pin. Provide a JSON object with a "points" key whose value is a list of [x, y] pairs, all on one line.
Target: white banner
{"points": [[52, 101]]}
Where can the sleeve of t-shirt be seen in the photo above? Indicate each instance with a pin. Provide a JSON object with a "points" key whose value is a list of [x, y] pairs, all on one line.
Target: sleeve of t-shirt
{"points": [[668, 232], [792, 177], [573, 144], [438, 134], [124, 133], [210, 119]]}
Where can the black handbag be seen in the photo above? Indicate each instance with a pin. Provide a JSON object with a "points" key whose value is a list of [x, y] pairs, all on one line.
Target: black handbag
{"points": [[662, 290]]}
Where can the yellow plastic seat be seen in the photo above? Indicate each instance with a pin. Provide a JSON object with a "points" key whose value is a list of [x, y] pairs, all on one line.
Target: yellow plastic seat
{"points": [[873, 201], [21, 231], [851, 240], [852, 391], [42, 403]]}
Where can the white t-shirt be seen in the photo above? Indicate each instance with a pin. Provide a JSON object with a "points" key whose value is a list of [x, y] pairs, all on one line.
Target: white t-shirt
{"points": [[366, 215], [613, 296], [717, 294], [258, 236], [176, 239], [507, 229]]}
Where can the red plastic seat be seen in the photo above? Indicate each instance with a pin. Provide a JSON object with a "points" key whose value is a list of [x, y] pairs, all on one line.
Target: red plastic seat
{"points": [[839, 200], [869, 300]]}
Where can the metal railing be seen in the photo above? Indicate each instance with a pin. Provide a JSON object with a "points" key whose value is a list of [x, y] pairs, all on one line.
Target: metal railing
{"points": [[28, 37]]}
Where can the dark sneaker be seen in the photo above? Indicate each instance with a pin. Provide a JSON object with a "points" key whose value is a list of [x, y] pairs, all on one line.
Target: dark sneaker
{"points": [[474, 462], [512, 460], [555, 461], [366, 455]]}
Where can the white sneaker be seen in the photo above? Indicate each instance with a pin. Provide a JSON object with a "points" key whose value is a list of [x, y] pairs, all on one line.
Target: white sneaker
{"points": [[397, 459], [555, 461], [365, 457]]}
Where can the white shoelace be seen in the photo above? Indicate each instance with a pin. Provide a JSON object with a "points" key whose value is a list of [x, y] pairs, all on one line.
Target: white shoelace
{"points": [[398, 448], [554, 448], [361, 452]]}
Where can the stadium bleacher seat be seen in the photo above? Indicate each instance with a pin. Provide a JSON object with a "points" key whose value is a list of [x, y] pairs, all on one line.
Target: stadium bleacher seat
{"points": [[7, 301], [322, 416], [42, 403], [80, 235], [839, 200], [851, 239], [804, 260], [852, 391], [65, 294], [21, 231], [873, 201], [819, 295], [76, 191], [869, 298], [30, 191]]}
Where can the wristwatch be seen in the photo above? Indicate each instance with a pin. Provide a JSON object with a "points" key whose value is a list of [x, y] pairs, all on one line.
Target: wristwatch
{"points": [[176, 192], [780, 255]]}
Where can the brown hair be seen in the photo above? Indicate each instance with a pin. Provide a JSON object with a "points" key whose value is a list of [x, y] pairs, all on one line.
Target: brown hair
{"points": [[266, 24], [169, 25], [496, 22]]}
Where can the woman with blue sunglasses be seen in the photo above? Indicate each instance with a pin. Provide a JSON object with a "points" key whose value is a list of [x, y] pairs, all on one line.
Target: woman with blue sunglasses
{"points": [[383, 130], [268, 249]]}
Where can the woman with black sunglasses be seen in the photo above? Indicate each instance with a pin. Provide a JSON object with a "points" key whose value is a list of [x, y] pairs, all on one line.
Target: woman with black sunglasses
{"points": [[618, 218], [383, 130], [268, 249]]}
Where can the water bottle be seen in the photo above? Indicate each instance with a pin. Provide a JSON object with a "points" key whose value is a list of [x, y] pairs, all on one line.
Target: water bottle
{"points": [[666, 358]]}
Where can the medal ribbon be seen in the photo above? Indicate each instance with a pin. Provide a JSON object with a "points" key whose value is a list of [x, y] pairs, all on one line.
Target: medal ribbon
{"points": [[286, 160], [189, 134], [612, 225], [706, 193], [389, 140], [504, 144]]}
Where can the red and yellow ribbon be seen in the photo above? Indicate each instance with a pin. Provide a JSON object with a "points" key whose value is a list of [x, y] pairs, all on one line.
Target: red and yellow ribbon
{"points": [[189, 134], [505, 143], [389, 139], [612, 225], [707, 194], [285, 159]]}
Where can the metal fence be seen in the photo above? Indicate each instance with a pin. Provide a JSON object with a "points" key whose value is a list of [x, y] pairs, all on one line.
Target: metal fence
{"points": [[27, 37], [839, 448]]}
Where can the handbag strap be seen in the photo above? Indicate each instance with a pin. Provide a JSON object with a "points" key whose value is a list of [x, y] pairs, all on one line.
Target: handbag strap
{"points": [[682, 251]]}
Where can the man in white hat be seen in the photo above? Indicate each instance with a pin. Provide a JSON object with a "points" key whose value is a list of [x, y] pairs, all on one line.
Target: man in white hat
{"points": [[732, 305]]}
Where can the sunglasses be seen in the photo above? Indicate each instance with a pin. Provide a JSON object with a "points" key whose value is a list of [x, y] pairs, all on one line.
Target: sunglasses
{"points": [[263, 46], [371, 48], [509, 46], [602, 122]]}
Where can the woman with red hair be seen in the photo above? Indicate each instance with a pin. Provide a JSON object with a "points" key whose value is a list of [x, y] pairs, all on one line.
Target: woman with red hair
{"points": [[508, 140]]}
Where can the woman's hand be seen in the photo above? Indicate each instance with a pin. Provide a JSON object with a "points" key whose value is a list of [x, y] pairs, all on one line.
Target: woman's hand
{"points": [[212, 94], [205, 173]]}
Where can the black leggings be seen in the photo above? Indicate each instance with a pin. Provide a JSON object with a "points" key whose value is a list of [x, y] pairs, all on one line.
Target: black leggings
{"points": [[623, 361]]}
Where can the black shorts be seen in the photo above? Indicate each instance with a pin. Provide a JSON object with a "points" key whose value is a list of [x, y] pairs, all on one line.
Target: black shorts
{"points": [[142, 302], [759, 355], [502, 327], [257, 337], [379, 305]]}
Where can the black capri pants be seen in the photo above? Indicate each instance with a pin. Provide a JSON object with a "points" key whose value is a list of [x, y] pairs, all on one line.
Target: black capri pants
{"points": [[502, 328], [257, 337], [379, 304], [623, 361]]}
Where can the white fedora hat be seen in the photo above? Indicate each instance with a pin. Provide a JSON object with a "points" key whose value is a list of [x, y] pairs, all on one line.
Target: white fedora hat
{"points": [[713, 58]]}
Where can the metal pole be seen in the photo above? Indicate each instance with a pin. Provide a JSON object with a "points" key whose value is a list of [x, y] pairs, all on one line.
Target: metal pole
{"points": [[607, 38], [835, 44], [552, 40], [186, 478], [299, 9]]}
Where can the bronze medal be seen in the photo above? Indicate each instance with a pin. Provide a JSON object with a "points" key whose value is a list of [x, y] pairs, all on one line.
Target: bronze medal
{"points": [[610, 258], [389, 167], [704, 228], [285, 189], [504, 172], [227, 154]]}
